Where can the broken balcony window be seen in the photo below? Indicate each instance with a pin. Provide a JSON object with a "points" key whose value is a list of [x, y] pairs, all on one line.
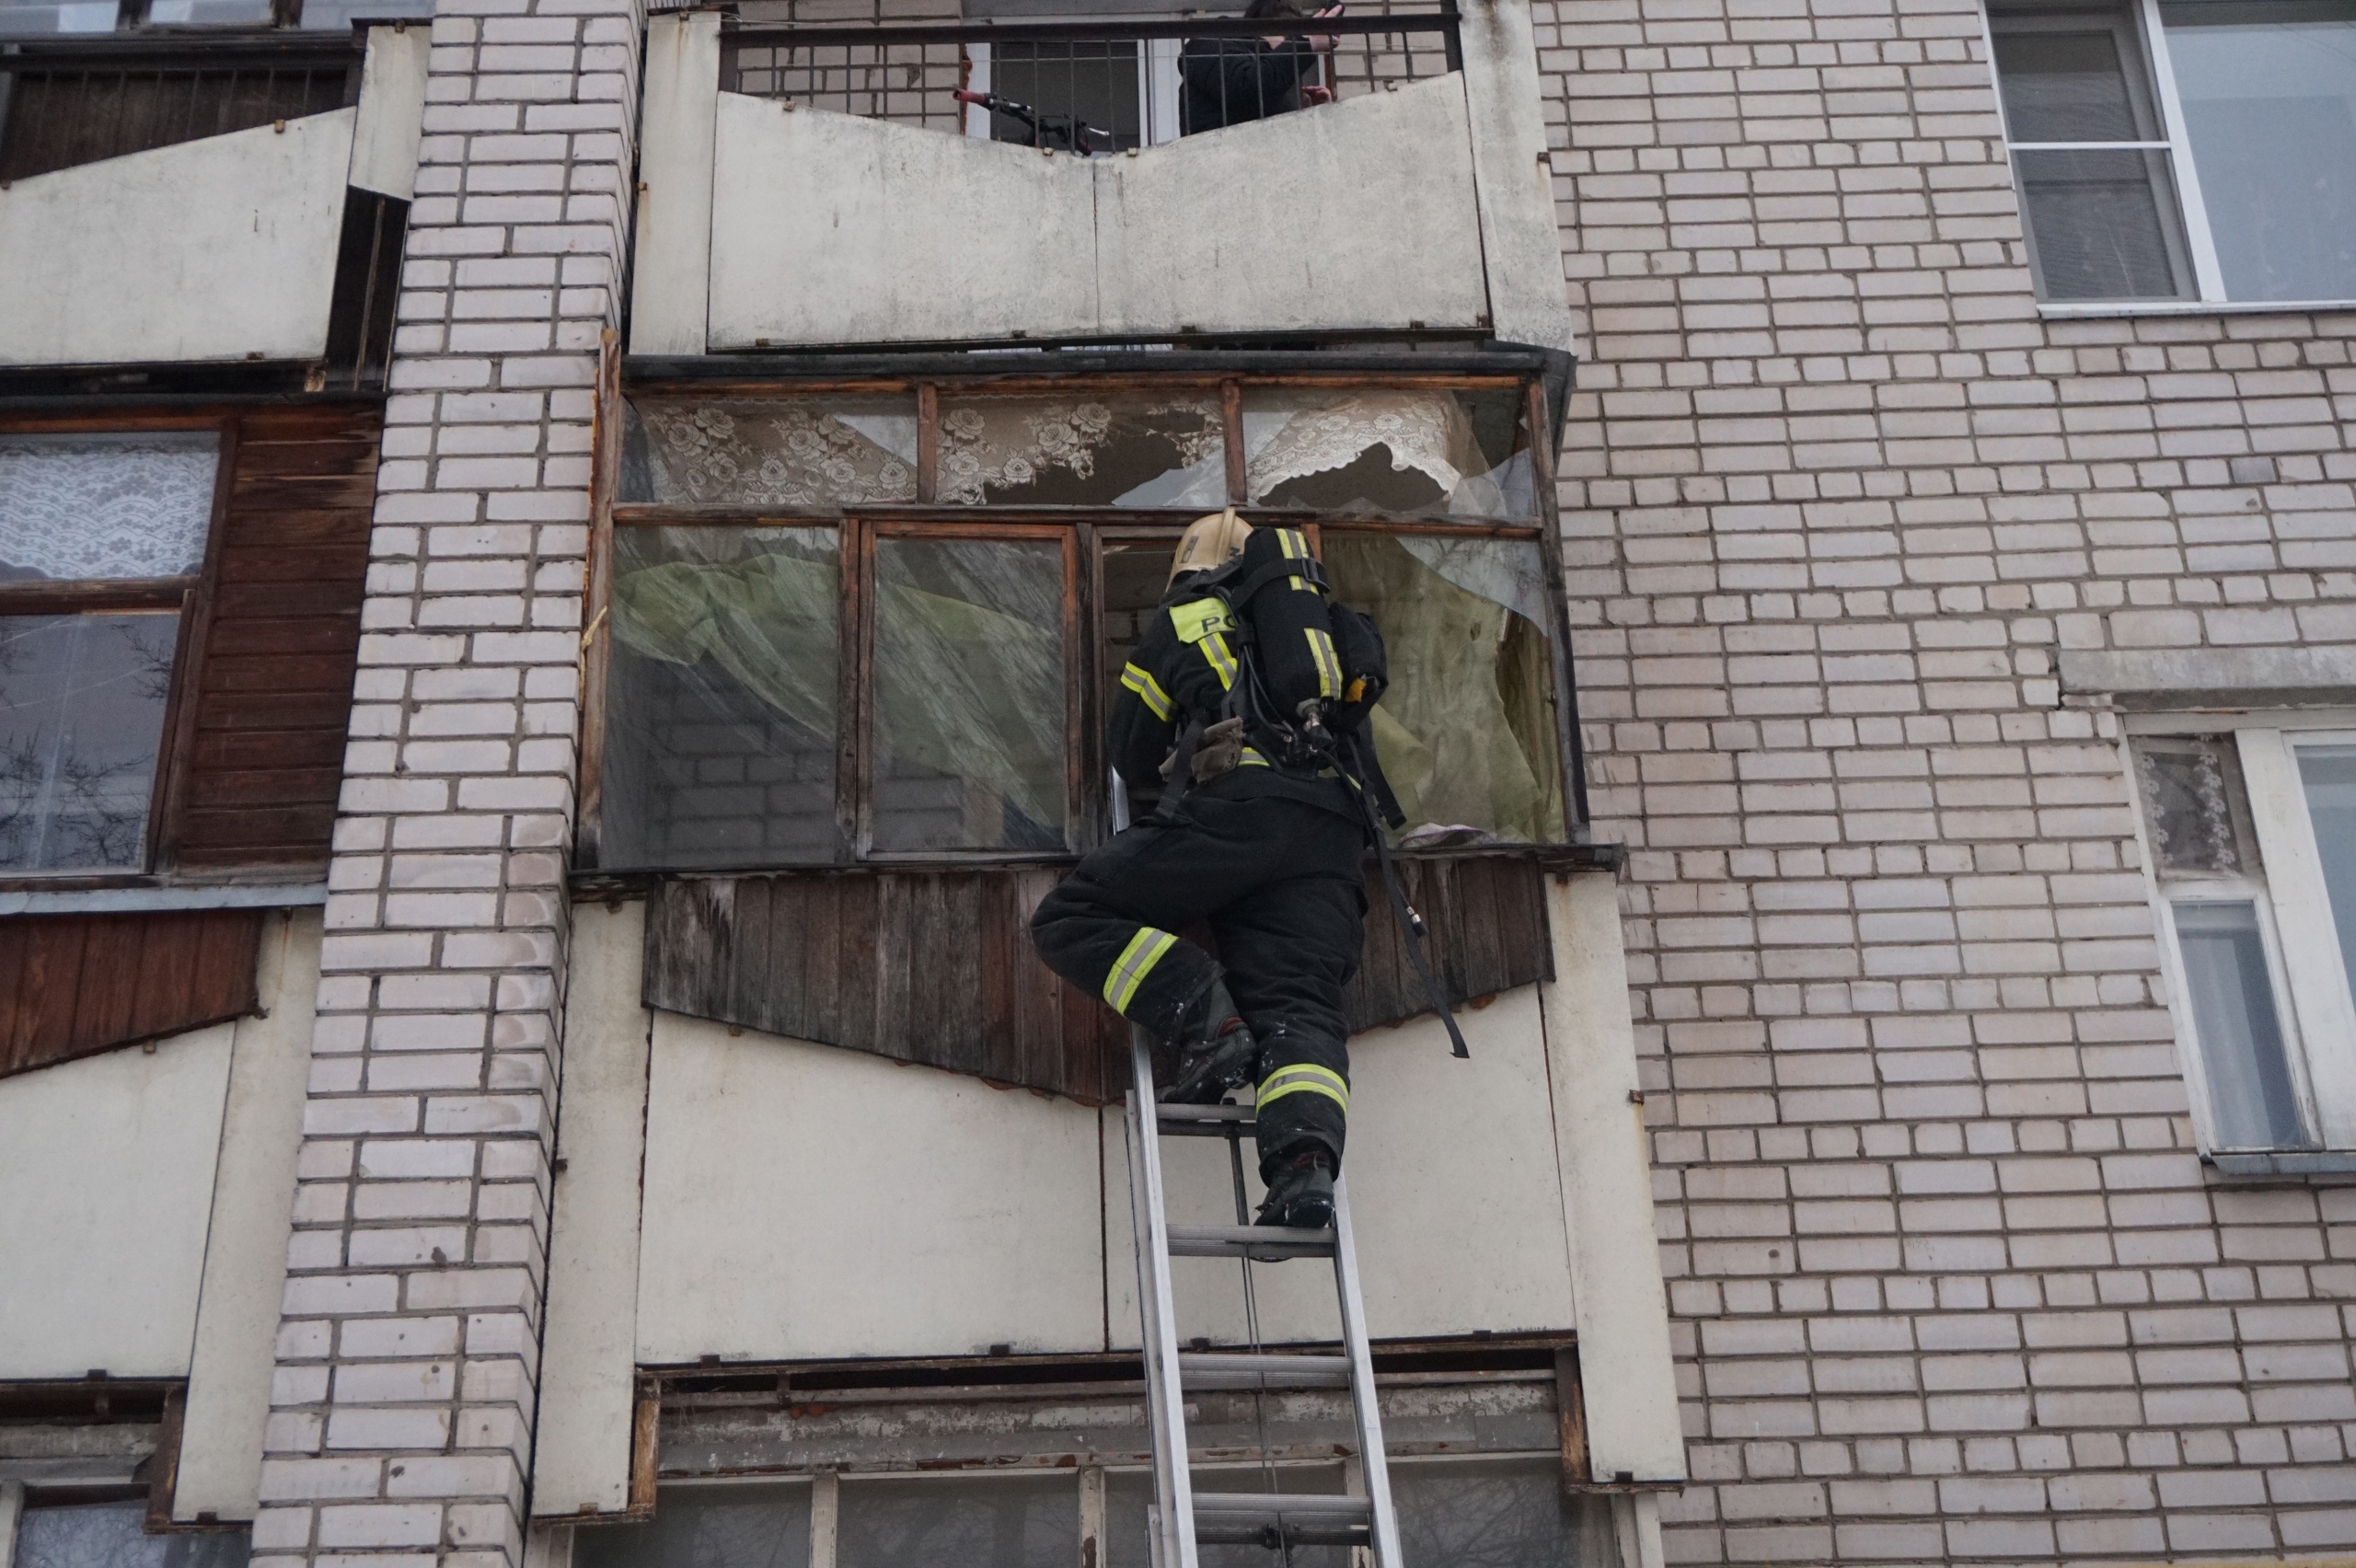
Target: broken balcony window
{"points": [[1466, 733], [1389, 453], [970, 707], [803, 452], [1095, 449], [721, 697]]}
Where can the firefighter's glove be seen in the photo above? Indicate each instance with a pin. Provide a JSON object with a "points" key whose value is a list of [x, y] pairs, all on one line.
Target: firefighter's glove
{"points": [[1220, 751]]}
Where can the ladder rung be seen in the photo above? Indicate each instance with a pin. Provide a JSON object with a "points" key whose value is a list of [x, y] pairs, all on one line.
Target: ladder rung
{"points": [[1203, 1121], [1295, 1534], [1264, 1243], [1214, 1371], [1277, 1508]]}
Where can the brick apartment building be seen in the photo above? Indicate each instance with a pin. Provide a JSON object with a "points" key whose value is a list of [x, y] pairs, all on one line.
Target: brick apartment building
{"points": [[559, 574]]}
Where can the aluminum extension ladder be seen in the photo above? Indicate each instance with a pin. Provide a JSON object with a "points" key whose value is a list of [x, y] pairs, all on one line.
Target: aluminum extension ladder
{"points": [[1182, 1516]]}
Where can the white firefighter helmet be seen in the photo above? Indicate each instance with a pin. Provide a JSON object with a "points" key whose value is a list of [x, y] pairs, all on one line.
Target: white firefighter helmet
{"points": [[1209, 542]]}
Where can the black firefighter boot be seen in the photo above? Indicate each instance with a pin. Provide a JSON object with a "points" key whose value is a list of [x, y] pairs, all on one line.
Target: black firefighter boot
{"points": [[1302, 1194], [1216, 1051]]}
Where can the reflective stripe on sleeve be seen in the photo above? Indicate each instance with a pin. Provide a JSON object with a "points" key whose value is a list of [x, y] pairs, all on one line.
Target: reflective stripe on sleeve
{"points": [[1305, 1079], [1222, 658], [1149, 690], [1137, 962]]}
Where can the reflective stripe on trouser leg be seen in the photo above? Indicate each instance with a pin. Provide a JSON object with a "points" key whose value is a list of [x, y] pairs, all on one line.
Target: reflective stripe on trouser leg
{"points": [[1136, 960], [1306, 1078]]}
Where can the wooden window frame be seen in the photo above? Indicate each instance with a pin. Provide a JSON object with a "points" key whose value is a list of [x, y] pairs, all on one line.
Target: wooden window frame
{"points": [[1085, 532], [190, 596]]}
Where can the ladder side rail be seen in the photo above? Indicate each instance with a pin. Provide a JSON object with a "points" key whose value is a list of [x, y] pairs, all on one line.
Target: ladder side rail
{"points": [[1173, 1536], [1383, 1520]]}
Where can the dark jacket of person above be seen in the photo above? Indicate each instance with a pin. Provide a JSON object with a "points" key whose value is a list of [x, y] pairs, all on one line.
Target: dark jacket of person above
{"points": [[1227, 81]]}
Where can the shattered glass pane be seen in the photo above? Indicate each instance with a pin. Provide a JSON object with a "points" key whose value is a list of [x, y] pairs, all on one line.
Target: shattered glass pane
{"points": [[969, 694], [110, 1535], [1466, 734], [82, 701], [721, 697], [1102, 449], [963, 1521], [2194, 806], [805, 453], [82, 507], [1390, 453], [760, 1525]]}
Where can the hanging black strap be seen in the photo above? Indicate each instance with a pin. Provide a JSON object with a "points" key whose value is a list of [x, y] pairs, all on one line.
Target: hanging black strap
{"points": [[1409, 923]]}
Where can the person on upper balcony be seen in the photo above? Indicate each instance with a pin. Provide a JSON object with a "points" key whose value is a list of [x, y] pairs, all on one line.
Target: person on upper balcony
{"points": [[1227, 81]]}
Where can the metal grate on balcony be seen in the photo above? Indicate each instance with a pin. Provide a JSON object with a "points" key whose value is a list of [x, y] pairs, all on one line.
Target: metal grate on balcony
{"points": [[1090, 86]]}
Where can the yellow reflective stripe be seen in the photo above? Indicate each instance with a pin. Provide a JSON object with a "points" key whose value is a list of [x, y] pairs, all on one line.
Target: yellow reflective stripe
{"points": [[1137, 962], [1328, 661], [1304, 1079], [1149, 690], [1253, 759], [1294, 543], [1222, 660], [1200, 617]]}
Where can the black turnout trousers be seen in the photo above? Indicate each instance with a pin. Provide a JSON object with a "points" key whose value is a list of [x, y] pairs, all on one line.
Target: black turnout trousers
{"points": [[1279, 882]]}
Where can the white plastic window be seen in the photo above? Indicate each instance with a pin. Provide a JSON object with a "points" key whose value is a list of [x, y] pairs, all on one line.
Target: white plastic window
{"points": [[2249, 832], [2151, 144]]}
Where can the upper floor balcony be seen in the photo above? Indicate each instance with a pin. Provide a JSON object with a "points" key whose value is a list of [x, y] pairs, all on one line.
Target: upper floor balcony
{"points": [[994, 180]]}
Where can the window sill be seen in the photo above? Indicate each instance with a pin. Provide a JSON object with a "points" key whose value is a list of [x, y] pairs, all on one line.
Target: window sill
{"points": [[135, 900], [2285, 1162], [2104, 310]]}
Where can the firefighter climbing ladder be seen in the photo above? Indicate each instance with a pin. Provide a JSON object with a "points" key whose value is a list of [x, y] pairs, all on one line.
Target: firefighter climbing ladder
{"points": [[1182, 1516]]}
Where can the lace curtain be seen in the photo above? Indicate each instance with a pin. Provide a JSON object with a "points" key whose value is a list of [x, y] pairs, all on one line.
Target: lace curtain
{"points": [[1290, 436], [1103, 451], [109, 1535], [78, 507], [771, 452]]}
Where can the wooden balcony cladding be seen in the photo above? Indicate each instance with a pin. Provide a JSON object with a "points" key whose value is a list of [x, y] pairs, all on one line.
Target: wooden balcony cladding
{"points": [[937, 967], [74, 986], [274, 693]]}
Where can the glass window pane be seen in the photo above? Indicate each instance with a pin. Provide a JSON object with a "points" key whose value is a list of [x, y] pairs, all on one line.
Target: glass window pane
{"points": [[1097, 450], [109, 1535], [1096, 79], [82, 701], [26, 18], [969, 694], [2195, 807], [721, 697], [1499, 1514], [2329, 775], [1389, 454], [753, 452], [750, 1526], [2101, 225], [1466, 733], [1127, 1494], [970, 1521], [2066, 87], [77, 507], [2233, 1015], [2270, 104]]}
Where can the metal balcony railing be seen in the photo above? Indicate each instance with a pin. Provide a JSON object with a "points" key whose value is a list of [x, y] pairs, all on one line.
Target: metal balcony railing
{"points": [[1092, 86]]}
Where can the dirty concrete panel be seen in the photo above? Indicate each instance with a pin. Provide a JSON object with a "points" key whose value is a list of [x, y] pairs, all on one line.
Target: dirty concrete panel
{"points": [[222, 249], [1425, 1129], [1630, 1390], [803, 1201], [867, 232], [1521, 247], [245, 1252], [580, 1463], [392, 111], [109, 1164], [671, 273], [1359, 214]]}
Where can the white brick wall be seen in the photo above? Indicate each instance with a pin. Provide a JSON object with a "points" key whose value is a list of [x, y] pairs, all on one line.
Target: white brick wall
{"points": [[404, 1397], [1949, 1282]]}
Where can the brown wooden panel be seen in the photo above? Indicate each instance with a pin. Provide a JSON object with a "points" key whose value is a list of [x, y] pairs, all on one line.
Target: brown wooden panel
{"points": [[75, 115], [275, 694], [74, 986], [1487, 915]]}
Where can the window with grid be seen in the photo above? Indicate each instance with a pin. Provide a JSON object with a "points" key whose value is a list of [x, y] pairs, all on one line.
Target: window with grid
{"points": [[877, 624], [2183, 150], [2249, 829]]}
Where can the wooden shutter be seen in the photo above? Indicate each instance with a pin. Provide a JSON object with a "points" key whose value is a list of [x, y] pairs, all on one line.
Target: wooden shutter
{"points": [[73, 985]]}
